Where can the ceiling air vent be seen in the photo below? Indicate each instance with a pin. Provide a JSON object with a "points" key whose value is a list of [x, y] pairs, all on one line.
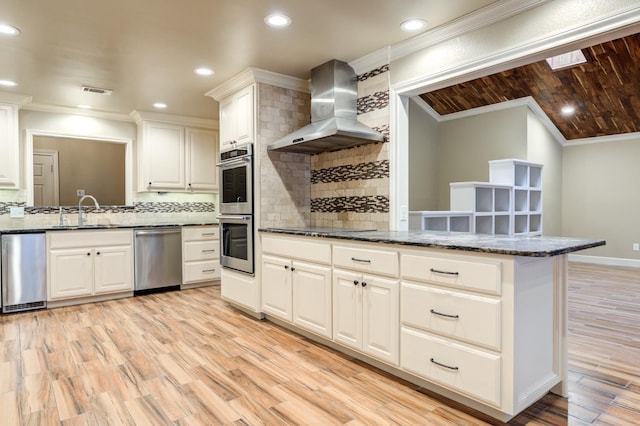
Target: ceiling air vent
{"points": [[96, 90]]}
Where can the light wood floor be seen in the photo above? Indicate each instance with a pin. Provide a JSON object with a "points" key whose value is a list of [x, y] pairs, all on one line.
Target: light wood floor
{"points": [[187, 358]]}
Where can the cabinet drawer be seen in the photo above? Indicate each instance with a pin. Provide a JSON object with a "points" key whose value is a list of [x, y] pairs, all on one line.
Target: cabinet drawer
{"points": [[475, 319], [297, 248], [366, 260], [458, 367], [201, 250], [81, 238], [455, 272], [201, 271], [200, 233]]}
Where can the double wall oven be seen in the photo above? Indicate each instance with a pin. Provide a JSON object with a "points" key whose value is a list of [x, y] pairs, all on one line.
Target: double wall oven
{"points": [[236, 208]]}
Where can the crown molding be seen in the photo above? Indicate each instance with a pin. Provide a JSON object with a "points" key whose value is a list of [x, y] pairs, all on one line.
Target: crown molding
{"points": [[180, 120], [77, 111], [371, 61], [635, 136], [486, 16], [615, 25], [256, 75], [15, 99]]}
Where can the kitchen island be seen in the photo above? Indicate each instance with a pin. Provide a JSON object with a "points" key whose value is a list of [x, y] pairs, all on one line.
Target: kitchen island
{"points": [[480, 319]]}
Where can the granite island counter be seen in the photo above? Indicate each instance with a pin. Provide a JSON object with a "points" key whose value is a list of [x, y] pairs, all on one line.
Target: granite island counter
{"points": [[480, 319]]}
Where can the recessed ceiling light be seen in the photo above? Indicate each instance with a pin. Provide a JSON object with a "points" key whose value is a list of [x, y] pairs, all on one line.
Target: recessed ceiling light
{"points": [[83, 106], [203, 71], [277, 20], [8, 83], [411, 25], [160, 105], [568, 110], [9, 30]]}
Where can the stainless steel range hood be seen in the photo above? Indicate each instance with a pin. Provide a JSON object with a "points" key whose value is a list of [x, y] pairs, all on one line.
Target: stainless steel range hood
{"points": [[334, 123]]}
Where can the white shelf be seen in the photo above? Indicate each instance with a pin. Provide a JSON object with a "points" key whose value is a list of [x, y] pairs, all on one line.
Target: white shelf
{"points": [[447, 221]]}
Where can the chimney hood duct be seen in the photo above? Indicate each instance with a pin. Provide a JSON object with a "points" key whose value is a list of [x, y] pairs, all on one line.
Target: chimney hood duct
{"points": [[334, 123]]}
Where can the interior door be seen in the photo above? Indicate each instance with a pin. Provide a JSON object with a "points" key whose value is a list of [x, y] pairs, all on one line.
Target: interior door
{"points": [[45, 178]]}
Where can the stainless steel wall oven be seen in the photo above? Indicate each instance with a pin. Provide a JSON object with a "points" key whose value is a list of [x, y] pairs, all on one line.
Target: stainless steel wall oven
{"points": [[236, 180], [236, 208], [236, 242]]}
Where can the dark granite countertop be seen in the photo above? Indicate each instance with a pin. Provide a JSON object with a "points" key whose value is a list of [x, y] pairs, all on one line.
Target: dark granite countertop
{"points": [[533, 246], [23, 229]]}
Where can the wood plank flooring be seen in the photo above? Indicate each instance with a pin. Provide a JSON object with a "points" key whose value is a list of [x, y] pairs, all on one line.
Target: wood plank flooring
{"points": [[187, 358]]}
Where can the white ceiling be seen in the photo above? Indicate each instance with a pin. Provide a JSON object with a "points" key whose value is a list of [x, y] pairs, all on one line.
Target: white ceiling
{"points": [[146, 50]]}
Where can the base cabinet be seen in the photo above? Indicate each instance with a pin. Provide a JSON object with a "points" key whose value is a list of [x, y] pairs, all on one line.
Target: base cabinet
{"points": [[298, 292], [87, 263], [365, 314], [200, 255]]}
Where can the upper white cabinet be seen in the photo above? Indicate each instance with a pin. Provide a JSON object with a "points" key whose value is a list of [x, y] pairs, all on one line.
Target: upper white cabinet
{"points": [[9, 154], [237, 118], [176, 157]]}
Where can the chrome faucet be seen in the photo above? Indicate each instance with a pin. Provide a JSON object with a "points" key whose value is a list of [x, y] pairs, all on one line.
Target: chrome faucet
{"points": [[82, 220]]}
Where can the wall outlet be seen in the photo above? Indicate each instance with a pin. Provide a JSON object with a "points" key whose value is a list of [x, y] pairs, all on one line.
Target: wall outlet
{"points": [[80, 192], [636, 247], [16, 212], [403, 213]]}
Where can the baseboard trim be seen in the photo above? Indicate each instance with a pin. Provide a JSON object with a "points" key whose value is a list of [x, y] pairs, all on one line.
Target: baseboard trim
{"points": [[600, 260]]}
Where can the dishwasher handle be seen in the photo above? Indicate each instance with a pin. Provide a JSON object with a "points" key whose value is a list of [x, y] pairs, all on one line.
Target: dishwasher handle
{"points": [[142, 232]]}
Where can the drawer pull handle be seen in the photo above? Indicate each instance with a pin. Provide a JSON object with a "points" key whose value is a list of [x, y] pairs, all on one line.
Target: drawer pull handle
{"points": [[437, 271], [444, 365], [209, 251], [208, 271], [209, 234], [355, 259], [444, 315]]}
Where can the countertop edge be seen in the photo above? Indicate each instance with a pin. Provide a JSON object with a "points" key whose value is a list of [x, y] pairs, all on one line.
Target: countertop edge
{"points": [[48, 228], [572, 244]]}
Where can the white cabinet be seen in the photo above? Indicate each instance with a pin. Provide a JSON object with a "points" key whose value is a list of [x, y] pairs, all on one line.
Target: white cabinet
{"points": [[202, 156], [365, 314], [88, 263], [9, 147], [296, 282], [482, 326], [200, 255], [237, 118], [173, 157], [366, 305]]}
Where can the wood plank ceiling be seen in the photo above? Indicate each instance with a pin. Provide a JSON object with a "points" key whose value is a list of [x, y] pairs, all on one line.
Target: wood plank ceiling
{"points": [[605, 91]]}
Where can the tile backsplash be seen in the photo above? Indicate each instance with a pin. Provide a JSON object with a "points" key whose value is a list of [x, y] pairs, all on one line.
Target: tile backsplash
{"points": [[350, 187]]}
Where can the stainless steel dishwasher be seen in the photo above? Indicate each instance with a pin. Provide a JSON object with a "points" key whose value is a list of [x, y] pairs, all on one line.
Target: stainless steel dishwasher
{"points": [[24, 272], [158, 259]]}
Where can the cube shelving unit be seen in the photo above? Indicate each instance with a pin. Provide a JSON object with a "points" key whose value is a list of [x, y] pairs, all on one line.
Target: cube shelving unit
{"points": [[509, 204]]}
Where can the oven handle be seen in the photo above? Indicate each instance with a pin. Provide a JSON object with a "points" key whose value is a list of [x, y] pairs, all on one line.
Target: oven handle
{"points": [[235, 162], [237, 218]]}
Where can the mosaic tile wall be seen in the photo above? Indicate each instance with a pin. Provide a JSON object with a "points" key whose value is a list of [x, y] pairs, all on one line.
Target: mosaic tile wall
{"points": [[350, 188], [140, 213], [285, 188]]}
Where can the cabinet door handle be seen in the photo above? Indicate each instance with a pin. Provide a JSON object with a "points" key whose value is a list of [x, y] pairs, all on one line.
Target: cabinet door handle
{"points": [[88, 254], [444, 315], [293, 269], [208, 271], [355, 259], [437, 271], [364, 284], [355, 282], [286, 266], [444, 365], [98, 253]]}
